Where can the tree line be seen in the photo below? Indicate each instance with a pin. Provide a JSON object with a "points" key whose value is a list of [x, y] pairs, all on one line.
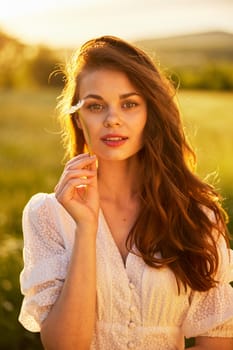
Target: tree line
{"points": [[24, 66]]}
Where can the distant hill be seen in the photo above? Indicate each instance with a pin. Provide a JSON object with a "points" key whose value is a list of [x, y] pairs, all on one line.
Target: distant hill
{"points": [[6, 39], [192, 49], [195, 61]]}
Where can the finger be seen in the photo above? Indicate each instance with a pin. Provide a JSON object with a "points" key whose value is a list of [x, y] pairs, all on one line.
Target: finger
{"points": [[86, 164], [71, 174], [79, 156], [79, 160], [93, 165], [68, 189], [76, 158]]}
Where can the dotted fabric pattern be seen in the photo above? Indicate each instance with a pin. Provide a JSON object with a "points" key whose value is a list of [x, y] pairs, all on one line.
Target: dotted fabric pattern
{"points": [[138, 307]]}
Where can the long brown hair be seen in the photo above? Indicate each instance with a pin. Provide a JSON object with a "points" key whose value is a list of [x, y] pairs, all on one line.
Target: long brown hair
{"points": [[181, 216]]}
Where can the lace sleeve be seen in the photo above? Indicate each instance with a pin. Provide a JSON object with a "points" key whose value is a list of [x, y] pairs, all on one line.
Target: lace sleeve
{"points": [[45, 261], [211, 313], [224, 330]]}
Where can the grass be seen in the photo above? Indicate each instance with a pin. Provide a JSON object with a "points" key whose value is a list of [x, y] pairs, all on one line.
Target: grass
{"points": [[31, 161], [31, 152], [208, 120]]}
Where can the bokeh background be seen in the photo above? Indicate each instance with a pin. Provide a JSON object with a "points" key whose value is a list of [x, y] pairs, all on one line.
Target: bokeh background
{"points": [[192, 41]]}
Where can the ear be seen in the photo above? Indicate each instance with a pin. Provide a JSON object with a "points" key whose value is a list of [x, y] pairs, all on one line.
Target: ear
{"points": [[78, 121]]}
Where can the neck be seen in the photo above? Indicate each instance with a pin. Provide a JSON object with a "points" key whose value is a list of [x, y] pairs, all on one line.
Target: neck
{"points": [[119, 180]]}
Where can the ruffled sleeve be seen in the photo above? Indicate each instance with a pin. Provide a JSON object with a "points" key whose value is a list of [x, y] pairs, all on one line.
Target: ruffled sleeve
{"points": [[211, 313], [45, 261]]}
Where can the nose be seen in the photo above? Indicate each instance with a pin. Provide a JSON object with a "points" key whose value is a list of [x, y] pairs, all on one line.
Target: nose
{"points": [[112, 118]]}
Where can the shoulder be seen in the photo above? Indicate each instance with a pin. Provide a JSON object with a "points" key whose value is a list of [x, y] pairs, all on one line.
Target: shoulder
{"points": [[40, 200], [44, 213], [44, 203], [44, 218], [39, 211]]}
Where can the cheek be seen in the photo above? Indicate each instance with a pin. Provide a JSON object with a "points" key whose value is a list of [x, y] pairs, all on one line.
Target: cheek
{"points": [[141, 123], [92, 128]]}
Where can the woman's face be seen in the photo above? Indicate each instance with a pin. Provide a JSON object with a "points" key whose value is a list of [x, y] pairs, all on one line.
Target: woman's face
{"points": [[113, 115]]}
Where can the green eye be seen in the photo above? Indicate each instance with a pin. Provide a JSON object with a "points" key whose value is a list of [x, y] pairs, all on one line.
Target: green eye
{"points": [[95, 107], [130, 105]]}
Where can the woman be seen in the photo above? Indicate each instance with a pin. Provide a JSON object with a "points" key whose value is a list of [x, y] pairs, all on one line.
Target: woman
{"points": [[131, 251]]}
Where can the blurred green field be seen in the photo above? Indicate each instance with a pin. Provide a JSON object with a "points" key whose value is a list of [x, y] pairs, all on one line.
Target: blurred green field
{"points": [[31, 161]]}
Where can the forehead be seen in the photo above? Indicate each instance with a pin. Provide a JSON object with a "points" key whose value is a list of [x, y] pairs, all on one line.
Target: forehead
{"points": [[105, 80]]}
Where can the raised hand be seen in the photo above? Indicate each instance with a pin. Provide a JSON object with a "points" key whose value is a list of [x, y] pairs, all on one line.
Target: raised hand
{"points": [[77, 189]]}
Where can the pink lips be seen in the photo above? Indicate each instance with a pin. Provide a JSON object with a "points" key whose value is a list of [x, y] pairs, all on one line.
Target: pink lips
{"points": [[114, 140]]}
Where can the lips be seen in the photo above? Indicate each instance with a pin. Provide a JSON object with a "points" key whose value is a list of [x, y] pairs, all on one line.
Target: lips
{"points": [[114, 140]]}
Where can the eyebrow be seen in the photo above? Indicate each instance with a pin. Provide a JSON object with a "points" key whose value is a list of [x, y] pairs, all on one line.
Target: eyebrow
{"points": [[98, 97]]}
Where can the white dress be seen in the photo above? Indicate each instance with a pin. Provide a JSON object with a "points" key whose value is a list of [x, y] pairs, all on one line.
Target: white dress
{"points": [[138, 307]]}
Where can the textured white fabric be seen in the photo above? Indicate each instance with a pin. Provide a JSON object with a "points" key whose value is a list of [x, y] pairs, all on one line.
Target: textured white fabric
{"points": [[138, 306]]}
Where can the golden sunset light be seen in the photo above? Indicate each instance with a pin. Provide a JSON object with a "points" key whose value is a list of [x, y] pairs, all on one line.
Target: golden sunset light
{"points": [[116, 191], [66, 23]]}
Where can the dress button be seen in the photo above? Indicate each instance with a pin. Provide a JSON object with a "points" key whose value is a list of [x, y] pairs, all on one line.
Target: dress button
{"points": [[130, 344], [131, 285], [132, 308], [131, 324]]}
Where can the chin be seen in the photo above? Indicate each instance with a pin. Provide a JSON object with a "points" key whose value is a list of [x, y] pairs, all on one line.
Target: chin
{"points": [[114, 154], [116, 157]]}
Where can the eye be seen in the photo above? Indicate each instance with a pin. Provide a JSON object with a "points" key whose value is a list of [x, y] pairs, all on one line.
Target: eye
{"points": [[95, 107], [129, 104]]}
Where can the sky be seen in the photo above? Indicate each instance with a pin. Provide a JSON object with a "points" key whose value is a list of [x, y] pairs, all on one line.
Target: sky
{"points": [[68, 23]]}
